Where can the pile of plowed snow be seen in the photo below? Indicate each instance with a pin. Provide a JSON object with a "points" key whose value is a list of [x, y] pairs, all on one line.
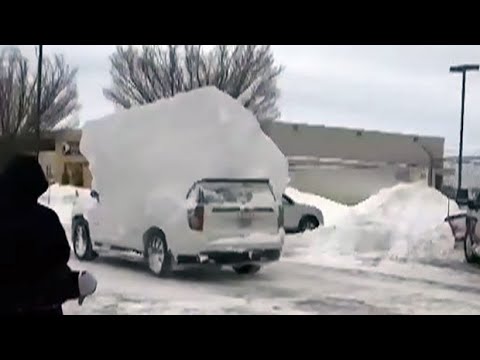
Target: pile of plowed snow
{"points": [[403, 223], [61, 199]]}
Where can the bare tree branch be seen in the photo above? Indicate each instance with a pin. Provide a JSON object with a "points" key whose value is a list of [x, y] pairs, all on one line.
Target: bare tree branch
{"points": [[18, 93], [245, 72]]}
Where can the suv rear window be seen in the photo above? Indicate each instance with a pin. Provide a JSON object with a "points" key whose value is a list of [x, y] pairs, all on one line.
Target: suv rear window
{"points": [[245, 192]]}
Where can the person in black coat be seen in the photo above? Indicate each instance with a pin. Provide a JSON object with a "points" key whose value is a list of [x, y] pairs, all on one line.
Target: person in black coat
{"points": [[34, 251]]}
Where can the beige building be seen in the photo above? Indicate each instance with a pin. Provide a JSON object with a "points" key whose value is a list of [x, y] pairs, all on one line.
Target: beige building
{"points": [[64, 163], [317, 141], [27, 144], [349, 165], [59, 155]]}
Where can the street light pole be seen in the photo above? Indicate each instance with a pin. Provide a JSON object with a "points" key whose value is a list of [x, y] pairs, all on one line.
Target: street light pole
{"points": [[39, 96], [462, 69]]}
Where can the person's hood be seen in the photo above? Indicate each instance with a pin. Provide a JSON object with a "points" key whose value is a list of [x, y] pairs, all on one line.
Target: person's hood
{"points": [[22, 181]]}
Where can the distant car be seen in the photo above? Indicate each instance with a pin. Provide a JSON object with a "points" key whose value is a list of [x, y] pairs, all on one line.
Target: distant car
{"points": [[300, 217], [235, 222]]}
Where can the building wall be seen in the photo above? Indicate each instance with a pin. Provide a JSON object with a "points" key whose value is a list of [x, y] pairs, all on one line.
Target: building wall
{"points": [[60, 161], [49, 164], [351, 185], [71, 160], [394, 154], [350, 144]]}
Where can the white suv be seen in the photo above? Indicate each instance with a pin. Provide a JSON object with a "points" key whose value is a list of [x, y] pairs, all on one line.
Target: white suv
{"points": [[235, 222], [300, 217]]}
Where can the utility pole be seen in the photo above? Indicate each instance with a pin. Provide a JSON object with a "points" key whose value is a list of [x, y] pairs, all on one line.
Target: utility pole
{"points": [[39, 96], [463, 69]]}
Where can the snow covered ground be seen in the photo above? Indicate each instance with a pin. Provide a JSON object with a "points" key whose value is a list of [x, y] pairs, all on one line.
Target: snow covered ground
{"points": [[284, 288], [391, 254]]}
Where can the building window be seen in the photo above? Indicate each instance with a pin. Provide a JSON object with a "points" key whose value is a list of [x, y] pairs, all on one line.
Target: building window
{"points": [[71, 148]]}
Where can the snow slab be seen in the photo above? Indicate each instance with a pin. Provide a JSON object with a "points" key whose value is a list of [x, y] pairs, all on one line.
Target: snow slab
{"points": [[404, 223], [144, 160]]}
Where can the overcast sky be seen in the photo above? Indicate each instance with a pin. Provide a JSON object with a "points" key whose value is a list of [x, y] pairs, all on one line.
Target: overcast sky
{"points": [[385, 87]]}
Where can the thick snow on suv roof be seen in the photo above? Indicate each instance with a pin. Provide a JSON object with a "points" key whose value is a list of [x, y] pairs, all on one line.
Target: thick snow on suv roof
{"points": [[153, 154]]}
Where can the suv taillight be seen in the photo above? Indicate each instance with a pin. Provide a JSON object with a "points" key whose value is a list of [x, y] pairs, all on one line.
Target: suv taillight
{"points": [[280, 217], [196, 218]]}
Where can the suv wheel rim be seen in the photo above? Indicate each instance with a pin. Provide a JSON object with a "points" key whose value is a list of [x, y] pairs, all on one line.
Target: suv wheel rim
{"points": [[80, 243], [310, 225], [156, 255]]}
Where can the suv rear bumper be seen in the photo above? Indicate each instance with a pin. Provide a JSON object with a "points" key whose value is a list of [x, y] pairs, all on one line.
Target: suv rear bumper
{"points": [[231, 257]]}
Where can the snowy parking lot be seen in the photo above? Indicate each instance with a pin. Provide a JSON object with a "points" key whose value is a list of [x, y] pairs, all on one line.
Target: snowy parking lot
{"points": [[384, 256], [127, 287]]}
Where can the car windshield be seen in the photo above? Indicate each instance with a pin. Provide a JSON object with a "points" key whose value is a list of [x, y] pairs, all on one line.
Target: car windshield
{"points": [[251, 193]]}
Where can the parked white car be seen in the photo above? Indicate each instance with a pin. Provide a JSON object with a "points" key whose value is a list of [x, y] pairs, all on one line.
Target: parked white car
{"points": [[234, 222], [300, 217]]}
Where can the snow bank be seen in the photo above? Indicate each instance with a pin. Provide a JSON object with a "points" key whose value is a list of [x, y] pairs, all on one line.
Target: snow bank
{"points": [[332, 212], [144, 160], [413, 216], [403, 223], [61, 199]]}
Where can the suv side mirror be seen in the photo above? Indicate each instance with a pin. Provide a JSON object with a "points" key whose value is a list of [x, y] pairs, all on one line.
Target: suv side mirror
{"points": [[286, 201], [95, 195]]}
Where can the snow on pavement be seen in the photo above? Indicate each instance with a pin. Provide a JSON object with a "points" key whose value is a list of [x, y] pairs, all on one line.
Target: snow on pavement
{"points": [[282, 288], [61, 199], [126, 287]]}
